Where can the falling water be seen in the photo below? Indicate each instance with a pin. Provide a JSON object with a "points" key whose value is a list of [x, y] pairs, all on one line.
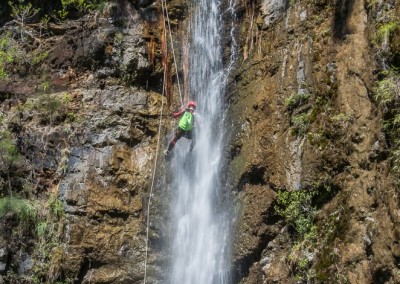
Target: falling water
{"points": [[201, 245]]}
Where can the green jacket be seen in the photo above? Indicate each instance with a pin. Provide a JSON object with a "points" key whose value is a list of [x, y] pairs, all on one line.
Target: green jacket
{"points": [[186, 121]]}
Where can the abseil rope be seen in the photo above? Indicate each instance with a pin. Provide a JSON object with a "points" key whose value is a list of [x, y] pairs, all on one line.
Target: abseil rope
{"points": [[152, 182], [164, 6]]}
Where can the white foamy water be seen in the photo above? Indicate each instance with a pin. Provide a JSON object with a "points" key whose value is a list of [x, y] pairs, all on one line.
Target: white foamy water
{"points": [[201, 222]]}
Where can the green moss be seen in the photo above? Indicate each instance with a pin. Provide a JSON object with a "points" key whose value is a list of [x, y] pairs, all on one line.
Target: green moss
{"points": [[9, 156]]}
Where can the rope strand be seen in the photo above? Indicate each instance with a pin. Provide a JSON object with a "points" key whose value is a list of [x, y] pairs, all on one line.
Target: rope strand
{"points": [[164, 6], [152, 182]]}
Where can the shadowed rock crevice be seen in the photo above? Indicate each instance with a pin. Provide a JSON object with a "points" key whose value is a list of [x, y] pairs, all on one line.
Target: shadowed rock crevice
{"points": [[382, 275], [113, 214], [84, 269], [254, 176], [343, 9], [243, 265]]}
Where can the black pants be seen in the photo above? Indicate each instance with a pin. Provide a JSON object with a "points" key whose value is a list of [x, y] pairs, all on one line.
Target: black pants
{"points": [[179, 133]]}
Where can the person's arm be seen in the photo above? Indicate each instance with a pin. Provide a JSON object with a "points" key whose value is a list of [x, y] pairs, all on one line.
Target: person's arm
{"points": [[178, 113]]}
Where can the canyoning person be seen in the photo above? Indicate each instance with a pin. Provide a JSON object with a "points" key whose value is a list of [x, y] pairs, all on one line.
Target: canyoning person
{"points": [[185, 126]]}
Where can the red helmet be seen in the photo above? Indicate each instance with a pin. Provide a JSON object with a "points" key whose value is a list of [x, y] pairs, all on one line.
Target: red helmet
{"points": [[192, 104]]}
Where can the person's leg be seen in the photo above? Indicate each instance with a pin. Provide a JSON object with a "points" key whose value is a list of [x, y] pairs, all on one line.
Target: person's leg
{"points": [[191, 136], [178, 135]]}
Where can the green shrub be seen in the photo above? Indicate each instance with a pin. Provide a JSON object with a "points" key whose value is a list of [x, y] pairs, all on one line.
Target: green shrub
{"points": [[301, 124], [41, 229], [56, 207], [384, 32], [295, 207], [82, 6], [7, 54], [9, 155], [318, 138], [297, 210], [22, 208], [387, 93], [23, 12], [8, 151], [296, 100], [341, 119], [16, 56]]}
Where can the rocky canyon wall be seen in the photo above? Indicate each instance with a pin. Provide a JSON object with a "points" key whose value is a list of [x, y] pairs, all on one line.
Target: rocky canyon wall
{"points": [[311, 161], [82, 113]]}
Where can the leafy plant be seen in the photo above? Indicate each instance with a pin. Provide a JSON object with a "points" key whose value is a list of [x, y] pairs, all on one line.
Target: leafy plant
{"points": [[296, 100], [17, 56], [387, 93], [24, 210], [49, 250], [384, 32], [56, 207], [301, 123], [341, 119], [297, 210], [7, 52], [49, 105], [295, 207], [8, 156], [44, 23], [38, 56], [23, 12], [81, 5], [41, 229], [318, 138], [118, 38]]}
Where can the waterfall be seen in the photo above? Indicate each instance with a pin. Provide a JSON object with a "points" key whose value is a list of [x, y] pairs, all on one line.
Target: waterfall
{"points": [[201, 222]]}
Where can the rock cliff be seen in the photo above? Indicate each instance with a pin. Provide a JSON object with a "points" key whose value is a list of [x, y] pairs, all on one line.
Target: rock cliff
{"points": [[311, 160], [83, 113]]}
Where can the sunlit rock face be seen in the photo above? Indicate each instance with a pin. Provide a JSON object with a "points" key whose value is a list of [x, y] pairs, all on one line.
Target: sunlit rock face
{"points": [[305, 120], [272, 10]]}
